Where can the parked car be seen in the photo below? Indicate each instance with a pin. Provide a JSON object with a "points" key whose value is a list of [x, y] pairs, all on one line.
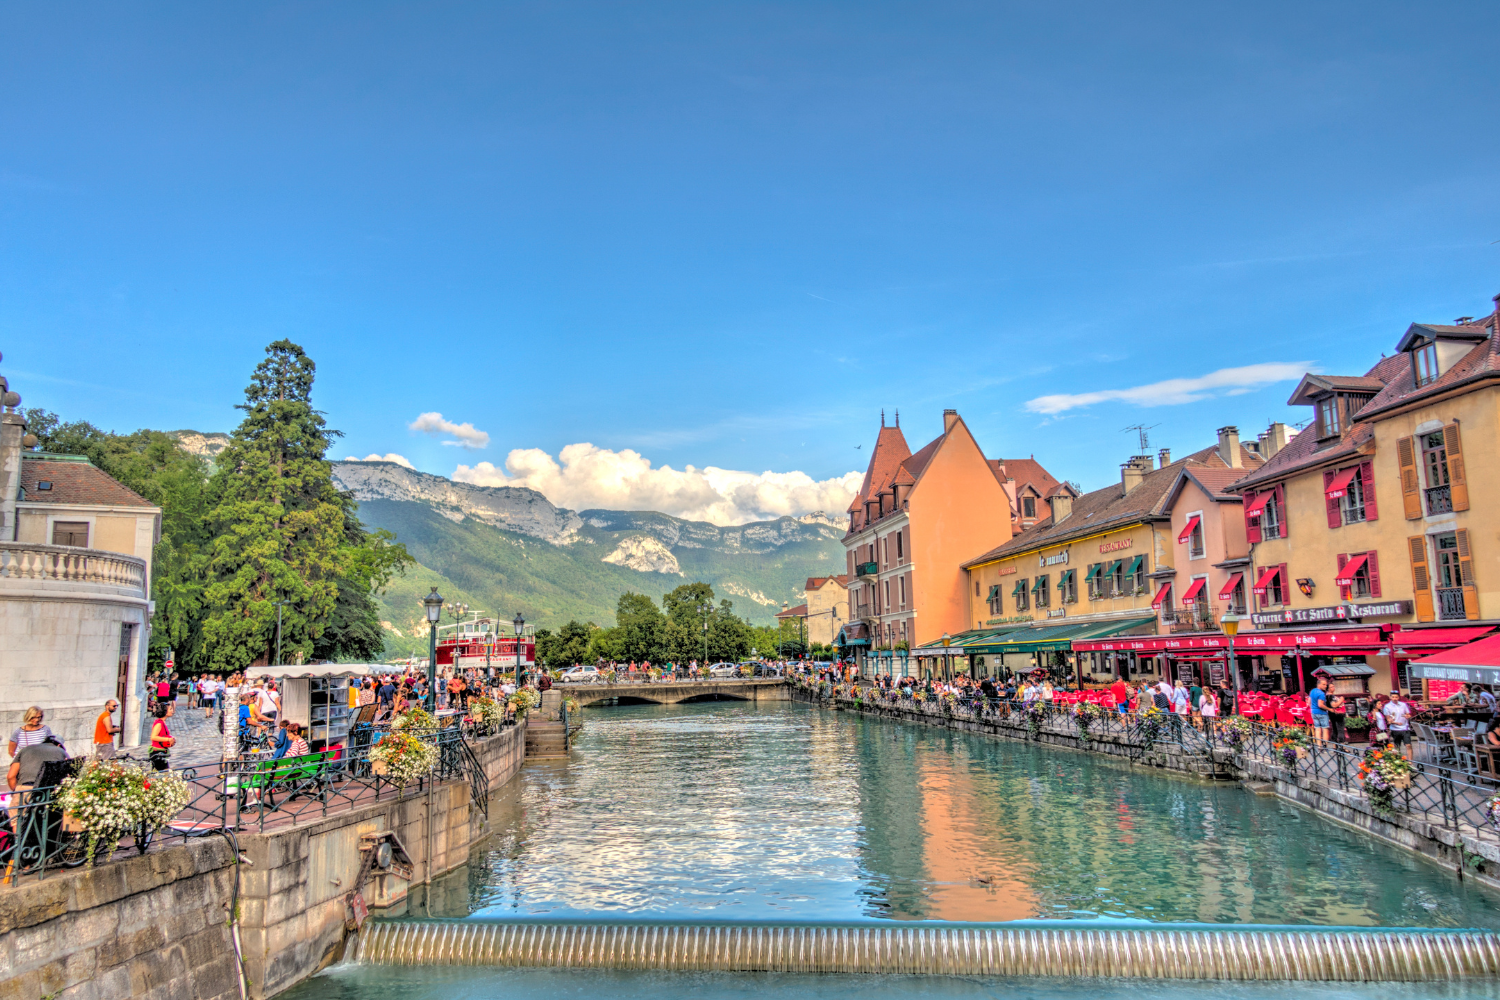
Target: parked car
{"points": [[724, 670], [766, 670], [581, 675]]}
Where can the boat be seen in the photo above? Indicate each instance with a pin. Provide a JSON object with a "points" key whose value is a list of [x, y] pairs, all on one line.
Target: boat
{"points": [[483, 641]]}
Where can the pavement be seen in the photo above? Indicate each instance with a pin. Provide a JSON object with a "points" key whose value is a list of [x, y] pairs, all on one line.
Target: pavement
{"points": [[198, 739]]}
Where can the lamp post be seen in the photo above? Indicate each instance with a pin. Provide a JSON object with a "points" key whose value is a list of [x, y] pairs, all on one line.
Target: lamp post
{"points": [[1231, 624], [946, 639], [520, 624], [279, 606], [433, 602]]}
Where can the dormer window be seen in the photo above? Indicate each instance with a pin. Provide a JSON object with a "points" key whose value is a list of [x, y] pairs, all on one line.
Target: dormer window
{"points": [[1028, 507], [1328, 417], [1424, 361]]}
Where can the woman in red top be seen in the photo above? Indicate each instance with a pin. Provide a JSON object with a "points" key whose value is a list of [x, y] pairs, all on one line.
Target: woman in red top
{"points": [[161, 738]]}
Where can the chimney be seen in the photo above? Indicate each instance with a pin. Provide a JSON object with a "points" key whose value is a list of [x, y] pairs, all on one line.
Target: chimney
{"points": [[1164, 457], [12, 432], [1062, 506], [950, 417], [1133, 471], [1229, 446], [1272, 440]]}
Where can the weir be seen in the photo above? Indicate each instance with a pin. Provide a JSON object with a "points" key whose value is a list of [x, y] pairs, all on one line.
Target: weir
{"points": [[1039, 948]]}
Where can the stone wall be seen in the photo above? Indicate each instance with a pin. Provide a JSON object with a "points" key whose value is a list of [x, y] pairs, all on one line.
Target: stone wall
{"points": [[156, 925], [153, 925]]}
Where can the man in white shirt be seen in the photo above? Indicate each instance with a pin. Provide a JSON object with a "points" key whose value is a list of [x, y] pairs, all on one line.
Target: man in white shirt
{"points": [[1398, 718], [270, 704]]}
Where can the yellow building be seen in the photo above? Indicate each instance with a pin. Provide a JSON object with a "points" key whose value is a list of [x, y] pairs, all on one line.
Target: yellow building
{"points": [[1371, 514]]}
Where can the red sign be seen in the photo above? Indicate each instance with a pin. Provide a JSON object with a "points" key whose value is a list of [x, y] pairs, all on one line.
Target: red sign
{"points": [[1123, 543], [1246, 643]]}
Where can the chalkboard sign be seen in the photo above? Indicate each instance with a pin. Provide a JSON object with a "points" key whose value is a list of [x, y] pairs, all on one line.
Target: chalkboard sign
{"points": [[1215, 673]]}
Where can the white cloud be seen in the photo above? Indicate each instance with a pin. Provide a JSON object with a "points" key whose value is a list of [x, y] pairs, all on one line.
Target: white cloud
{"points": [[393, 457], [1226, 381], [468, 436], [589, 477]]}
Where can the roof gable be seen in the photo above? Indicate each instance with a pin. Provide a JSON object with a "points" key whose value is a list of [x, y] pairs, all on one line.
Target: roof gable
{"points": [[76, 483]]}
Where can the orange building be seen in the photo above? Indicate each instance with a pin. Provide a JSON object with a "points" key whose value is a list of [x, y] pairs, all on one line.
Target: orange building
{"points": [[916, 519]]}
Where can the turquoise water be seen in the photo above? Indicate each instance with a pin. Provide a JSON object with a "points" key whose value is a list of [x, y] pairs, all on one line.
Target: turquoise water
{"points": [[739, 811]]}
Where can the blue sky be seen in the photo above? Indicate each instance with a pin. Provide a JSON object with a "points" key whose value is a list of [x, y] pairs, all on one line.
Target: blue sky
{"points": [[727, 235]]}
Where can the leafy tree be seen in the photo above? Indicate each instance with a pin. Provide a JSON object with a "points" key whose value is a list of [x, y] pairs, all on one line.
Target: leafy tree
{"points": [[641, 629], [569, 646], [604, 644]]}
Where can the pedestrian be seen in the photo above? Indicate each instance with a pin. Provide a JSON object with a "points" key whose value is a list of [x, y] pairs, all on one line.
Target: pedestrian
{"points": [[30, 732], [161, 738], [282, 742], [105, 730], [1317, 703], [1180, 700], [164, 693], [1208, 707], [26, 769], [1398, 719], [1338, 710]]}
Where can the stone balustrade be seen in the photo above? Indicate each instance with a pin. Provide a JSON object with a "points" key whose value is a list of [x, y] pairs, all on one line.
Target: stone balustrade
{"points": [[64, 564]]}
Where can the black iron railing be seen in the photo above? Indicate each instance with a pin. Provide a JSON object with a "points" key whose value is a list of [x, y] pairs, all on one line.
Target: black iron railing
{"points": [[1439, 499], [1451, 603]]}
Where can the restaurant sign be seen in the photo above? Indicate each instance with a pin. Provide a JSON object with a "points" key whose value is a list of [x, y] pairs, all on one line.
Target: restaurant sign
{"points": [[1117, 545], [1337, 613], [1247, 643], [1053, 560]]}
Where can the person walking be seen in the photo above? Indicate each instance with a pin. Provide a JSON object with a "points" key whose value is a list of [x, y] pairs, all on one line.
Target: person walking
{"points": [[1398, 722], [1120, 691], [162, 739], [1317, 704], [105, 730]]}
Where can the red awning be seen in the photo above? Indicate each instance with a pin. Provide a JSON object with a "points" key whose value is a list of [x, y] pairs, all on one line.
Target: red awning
{"points": [[1191, 595], [1187, 530], [1263, 581], [1161, 595], [1227, 593], [1345, 577], [1425, 641], [1272, 642], [1259, 503], [1340, 484], [1483, 653]]}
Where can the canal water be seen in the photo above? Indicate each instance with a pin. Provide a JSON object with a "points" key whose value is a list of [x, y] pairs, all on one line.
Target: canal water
{"points": [[777, 811]]}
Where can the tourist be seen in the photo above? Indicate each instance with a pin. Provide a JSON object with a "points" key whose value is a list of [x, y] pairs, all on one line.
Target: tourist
{"points": [[282, 741], [1120, 692], [1380, 727], [1317, 703], [1398, 715], [1338, 710], [26, 770], [1180, 700], [298, 746], [366, 695], [164, 693], [105, 730], [208, 694], [269, 701], [162, 740], [1195, 697], [31, 731], [1227, 703], [1208, 707]]}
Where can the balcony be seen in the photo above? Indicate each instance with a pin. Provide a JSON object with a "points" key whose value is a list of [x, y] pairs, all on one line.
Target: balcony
{"points": [[1439, 501], [866, 569], [1451, 602], [1194, 619], [863, 612], [64, 568]]}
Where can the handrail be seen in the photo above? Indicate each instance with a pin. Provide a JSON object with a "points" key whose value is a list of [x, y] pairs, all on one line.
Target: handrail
{"points": [[28, 561]]}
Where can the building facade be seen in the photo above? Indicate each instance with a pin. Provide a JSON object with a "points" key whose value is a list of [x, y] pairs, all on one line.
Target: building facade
{"points": [[915, 519]]}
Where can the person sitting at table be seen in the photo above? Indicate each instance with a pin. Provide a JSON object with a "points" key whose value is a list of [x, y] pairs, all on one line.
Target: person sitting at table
{"points": [[1462, 697]]}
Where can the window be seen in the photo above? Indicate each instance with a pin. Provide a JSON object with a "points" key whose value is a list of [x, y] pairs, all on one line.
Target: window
{"points": [[1022, 596], [996, 608], [1361, 585], [1135, 575], [1435, 458], [1094, 581], [1028, 507], [1424, 359], [1042, 592], [1352, 503], [901, 585], [1328, 417], [1117, 578], [1270, 518], [888, 595], [1449, 575], [1195, 539], [71, 533], [898, 544], [1067, 587]]}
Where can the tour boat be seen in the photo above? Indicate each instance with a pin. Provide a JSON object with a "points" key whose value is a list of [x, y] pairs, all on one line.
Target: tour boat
{"points": [[481, 641]]}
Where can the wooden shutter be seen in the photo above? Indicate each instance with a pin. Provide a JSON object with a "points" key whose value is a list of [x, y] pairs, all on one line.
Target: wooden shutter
{"points": [[1421, 581], [1286, 585], [1343, 559], [1335, 519], [1252, 524], [1372, 567], [1282, 518], [1367, 480], [1411, 482], [1466, 569], [1458, 485]]}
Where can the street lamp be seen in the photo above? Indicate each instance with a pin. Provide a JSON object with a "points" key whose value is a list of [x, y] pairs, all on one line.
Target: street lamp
{"points": [[520, 625], [946, 639], [433, 602], [1231, 624]]}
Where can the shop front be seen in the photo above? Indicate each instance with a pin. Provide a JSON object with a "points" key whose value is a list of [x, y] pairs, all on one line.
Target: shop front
{"points": [[1049, 648]]}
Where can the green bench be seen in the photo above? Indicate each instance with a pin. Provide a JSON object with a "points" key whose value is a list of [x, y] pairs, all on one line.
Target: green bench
{"points": [[310, 774]]}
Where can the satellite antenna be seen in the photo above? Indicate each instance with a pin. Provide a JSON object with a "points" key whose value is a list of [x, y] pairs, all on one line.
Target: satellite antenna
{"points": [[1142, 430]]}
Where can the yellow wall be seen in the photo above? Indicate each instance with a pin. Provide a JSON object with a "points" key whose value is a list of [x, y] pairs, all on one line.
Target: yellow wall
{"points": [[1081, 554], [821, 625], [958, 508]]}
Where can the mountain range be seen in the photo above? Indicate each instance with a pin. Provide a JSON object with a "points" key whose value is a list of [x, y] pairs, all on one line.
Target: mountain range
{"points": [[508, 549]]}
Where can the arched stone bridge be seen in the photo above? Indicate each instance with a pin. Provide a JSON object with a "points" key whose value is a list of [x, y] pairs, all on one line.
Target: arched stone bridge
{"points": [[765, 689]]}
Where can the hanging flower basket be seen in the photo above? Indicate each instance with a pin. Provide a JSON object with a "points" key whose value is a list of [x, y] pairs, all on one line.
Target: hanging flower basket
{"points": [[109, 798], [402, 757], [415, 719]]}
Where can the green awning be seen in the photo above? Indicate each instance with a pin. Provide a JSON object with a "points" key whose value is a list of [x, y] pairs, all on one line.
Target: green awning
{"points": [[1109, 568], [1066, 578], [1093, 572], [1135, 565], [1060, 637], [986, 643], [994, 592], [959, 643], [1041, 582], [1020, 588]]}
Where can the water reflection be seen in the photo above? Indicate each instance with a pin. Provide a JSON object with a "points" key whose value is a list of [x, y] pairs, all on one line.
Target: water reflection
{"points": [[744, 811]]}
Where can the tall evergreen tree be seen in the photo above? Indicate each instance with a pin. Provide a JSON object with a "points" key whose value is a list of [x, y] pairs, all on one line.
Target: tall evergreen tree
{"points": [[279, 523]]}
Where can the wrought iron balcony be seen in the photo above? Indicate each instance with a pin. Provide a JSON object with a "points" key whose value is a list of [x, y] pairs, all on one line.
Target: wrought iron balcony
{"points": [[1439, 501], [1194, 619], [863, 612], [1451, 602]]}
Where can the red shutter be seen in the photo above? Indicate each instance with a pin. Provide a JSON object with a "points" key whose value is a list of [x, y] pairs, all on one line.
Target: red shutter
{"points": [[1343, 591], [1367, 480], [1281, 511], [1252, 524], [1335, 519], [1372, 567], [1286, 585]]}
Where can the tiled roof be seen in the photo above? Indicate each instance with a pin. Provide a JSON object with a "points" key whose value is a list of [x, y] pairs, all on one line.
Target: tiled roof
{"points": [[1029, 470], [1482, 362], [800, 611], [885, 459], [1216, 481], [75, 483], [815, 582]]}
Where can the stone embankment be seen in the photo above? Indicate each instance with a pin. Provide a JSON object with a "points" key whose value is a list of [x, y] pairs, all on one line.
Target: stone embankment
{"points": [[158, 925], [1469, 851]]}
